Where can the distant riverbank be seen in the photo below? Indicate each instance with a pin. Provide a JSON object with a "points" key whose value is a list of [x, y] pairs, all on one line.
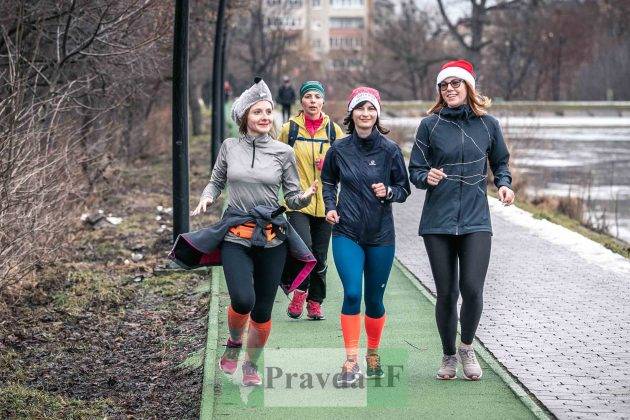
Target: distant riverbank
{"points": [[585, 159]]}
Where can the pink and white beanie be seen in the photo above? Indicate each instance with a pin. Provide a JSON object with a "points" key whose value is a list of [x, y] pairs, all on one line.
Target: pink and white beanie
{"points": [[364, 93]]}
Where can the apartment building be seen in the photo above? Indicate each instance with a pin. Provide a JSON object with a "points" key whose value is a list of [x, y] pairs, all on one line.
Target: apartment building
{"points": [[335, 31]]}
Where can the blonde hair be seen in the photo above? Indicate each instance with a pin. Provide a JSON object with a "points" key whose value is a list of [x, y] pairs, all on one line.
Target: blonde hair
{"points": [[477, 102]]}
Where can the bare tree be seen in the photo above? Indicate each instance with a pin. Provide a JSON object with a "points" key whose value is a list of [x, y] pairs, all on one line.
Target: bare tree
{"points": [[73, 76], [469, 30], [600, 78], [201, 43], [512, 56], [410, 43], [261, 40]]}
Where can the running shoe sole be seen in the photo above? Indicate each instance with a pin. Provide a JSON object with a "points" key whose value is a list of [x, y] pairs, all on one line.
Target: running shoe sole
{"points": [[472, 378], [293, 316], [226, 371], [344, 384], [468, 378], [258, 383]]}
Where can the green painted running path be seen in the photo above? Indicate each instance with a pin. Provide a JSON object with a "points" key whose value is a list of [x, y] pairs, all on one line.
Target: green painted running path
{"points": [[410, 338]]}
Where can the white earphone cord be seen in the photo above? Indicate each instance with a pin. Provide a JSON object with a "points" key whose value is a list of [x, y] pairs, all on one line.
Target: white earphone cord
{"points": [[455, 177]]}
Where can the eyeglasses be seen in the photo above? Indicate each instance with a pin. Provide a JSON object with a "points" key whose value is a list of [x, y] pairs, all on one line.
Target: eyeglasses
{"points": [[455, 83]]}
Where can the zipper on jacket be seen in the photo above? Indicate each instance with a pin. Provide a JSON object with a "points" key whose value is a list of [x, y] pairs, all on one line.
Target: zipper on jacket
{"points": [[459, 214], [253, 154], [314, 170]]}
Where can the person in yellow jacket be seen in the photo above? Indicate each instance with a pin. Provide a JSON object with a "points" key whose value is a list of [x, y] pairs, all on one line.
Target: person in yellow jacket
{"points": [[310, 133]]}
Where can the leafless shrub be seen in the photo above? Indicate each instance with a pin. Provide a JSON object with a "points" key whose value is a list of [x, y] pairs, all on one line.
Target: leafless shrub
{"points": [[77, 78]]}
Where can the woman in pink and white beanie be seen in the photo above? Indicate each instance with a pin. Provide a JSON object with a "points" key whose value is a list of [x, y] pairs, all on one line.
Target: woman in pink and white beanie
{"points": [[371, 172]]}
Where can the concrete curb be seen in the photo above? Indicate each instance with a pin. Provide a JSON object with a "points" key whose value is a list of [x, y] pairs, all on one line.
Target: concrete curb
{"points": [[531, 402], [206, 411]]}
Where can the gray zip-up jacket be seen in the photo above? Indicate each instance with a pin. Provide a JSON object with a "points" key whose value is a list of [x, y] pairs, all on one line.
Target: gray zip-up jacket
{"points": [[254, 169]]}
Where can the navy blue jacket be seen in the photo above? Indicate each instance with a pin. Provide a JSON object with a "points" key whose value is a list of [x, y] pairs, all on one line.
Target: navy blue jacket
{"points": [[355, 164], [461, 144]]}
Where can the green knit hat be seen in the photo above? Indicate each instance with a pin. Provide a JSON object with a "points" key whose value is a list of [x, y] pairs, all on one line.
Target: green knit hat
{"points": [[311, 85]]}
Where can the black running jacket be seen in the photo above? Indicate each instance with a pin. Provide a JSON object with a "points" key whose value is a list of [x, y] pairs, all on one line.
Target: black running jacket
{"points": [[355, 164]]}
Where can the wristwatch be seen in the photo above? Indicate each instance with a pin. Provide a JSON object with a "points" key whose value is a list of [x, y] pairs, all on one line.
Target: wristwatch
{"points": [[390, 193]]}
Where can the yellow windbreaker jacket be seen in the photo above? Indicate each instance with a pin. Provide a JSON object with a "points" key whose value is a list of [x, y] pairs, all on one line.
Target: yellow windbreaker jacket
{"points": [[309, 154]]}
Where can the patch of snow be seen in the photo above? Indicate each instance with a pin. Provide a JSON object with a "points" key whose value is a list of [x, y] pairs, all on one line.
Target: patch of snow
{"points": [[599, 192], [114, 220], [570, 122]]}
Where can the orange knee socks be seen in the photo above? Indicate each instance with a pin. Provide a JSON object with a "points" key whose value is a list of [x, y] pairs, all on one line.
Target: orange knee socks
{"points": [[236, 324], [374, 330], [257, 338], [351, 329]]}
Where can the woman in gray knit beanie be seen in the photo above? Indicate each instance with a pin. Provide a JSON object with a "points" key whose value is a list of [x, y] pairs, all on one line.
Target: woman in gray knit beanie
{"points": [[253, 166]]}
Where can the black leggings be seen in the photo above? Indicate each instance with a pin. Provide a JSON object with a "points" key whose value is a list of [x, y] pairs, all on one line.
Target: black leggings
{"points": [[315, 232], [252, 276], [472, 253]]}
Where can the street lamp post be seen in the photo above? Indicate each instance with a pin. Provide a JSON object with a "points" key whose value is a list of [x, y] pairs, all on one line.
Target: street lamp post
{"points": [[223, 96], [218, 67], [180, 120]]}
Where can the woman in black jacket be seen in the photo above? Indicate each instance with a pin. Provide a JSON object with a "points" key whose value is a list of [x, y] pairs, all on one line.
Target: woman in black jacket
{"points": [[371, 171], [450, 159]]}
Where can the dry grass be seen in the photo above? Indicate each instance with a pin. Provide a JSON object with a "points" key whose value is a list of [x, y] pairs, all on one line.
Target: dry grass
{"points": [[97, 334]]}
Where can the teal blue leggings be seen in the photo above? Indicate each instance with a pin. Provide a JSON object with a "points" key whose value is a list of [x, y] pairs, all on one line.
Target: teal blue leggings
{"points": [[354, 262]]}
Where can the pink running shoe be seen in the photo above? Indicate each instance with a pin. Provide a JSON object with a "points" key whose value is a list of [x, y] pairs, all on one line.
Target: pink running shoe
{"points": [[250, 374], [297, 304], [314, 310], [229, 360]]}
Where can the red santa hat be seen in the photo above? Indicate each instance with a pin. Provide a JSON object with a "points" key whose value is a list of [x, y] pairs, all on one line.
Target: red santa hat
{"points": [[458, 68], [364, 93]]}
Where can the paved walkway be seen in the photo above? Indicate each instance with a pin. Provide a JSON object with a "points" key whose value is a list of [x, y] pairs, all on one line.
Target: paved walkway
{"points": [[556, 310], [410, 346]]}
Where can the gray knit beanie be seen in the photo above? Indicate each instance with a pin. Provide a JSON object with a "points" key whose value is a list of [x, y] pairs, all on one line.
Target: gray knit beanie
{"points": [[259, 91]]}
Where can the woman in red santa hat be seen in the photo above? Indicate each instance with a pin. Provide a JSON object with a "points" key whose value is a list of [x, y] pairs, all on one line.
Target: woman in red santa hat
{"points": [[449, 159]]}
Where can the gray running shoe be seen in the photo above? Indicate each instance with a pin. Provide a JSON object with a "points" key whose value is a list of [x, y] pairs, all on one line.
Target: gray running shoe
{"points": [[350, 374], [470, 365], [448, 370]]}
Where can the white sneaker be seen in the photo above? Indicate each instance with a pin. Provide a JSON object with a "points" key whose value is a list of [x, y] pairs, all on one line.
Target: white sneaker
{"points": [[470, 365], [448, 370]]}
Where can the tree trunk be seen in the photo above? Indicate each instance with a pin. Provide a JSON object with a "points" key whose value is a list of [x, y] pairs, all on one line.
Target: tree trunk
{"points": [[194, 101], [476, 32]]}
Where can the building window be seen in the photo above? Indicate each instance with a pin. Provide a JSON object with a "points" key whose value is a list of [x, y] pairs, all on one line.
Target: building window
{"points": [[292, 22], [346, 63], [294, 3], [274, 2], [316, 43], [284, 22], [347, 4], [345, 43], [316, 4], [346, 22]]}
